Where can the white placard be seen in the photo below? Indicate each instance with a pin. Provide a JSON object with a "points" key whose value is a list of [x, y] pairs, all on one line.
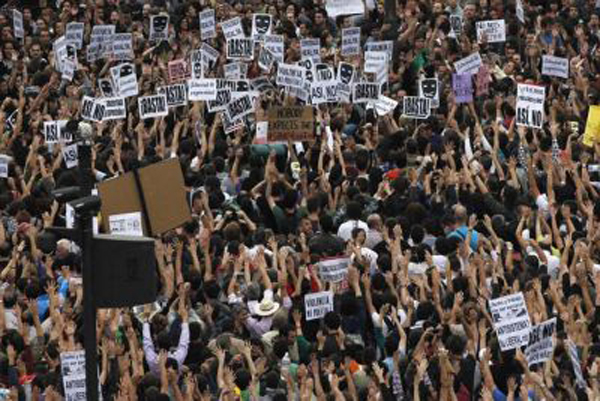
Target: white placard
{"points": [[334, 270], [530, 105], [18, 29], [290, 75], [385, 105], [69, 154], [159, 27], [232, 28], [74, 34], [310, 49], [324, 72], [122, 46], [381, 46], [197, 64], [222, 100], [72, 365], [202, 89], [176, 94], [541, 342], [3, 166], [336, 8], [209, 55], [323, 92], [55, 131], [208, 26], [469, 64], [261, 25], [350, 42], [276, 45], [520, 11], [107, 89], [129, 224], [456, 24], [240, 107], [576, 363], [100, 42], [266, 59], [240, 49], [153, 106], [416, 107], [375, 61], [235, 70], [430, 88], [317, 304], [116, 109], [493, 30], [555, 66], [92, 109], [511, 321], [127, 84], [365, 92]]}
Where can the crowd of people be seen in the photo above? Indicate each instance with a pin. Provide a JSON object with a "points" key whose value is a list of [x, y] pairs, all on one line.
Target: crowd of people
{"points": [[425, 222]]}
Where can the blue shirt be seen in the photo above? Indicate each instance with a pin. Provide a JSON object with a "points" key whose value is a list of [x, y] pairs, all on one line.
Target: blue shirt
{"points": [[462, 232]]}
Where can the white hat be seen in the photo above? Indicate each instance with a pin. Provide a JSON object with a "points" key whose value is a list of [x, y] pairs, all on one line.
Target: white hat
{"points": [[267, 307]]}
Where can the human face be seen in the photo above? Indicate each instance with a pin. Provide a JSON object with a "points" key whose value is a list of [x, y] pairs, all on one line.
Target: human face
{"points": [[35, 51]]}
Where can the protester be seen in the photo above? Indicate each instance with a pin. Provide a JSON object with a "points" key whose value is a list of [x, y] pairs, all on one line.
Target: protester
{"points": [[434, 234]]}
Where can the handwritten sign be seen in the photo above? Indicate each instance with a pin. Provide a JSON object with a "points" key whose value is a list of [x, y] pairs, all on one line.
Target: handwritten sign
{"points": [[469, 64], [291, 122], [316, 305], [555, 66], [493, 31], [334, 270], [350, 42], [541, 342], [511, 321], [462, 84], [530, 105]]}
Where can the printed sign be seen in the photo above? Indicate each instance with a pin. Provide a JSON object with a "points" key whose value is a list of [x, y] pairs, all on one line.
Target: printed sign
{"points": [[70, 156], [275, 44], [122, 46], [92, 109], [323, 92], [365, 92], [222, 100], [492, 31], [576, 363], [72, 365], [55, 131], [129, 224], [178, 70], [381, 46], [209, 55], [106, 86], [237, 70], [290, 75], [159, 27], [482, 81], [336, 8], [197, 64], [385, 105], [295, 123], [3, 166], [202, 89], [125, 77], [261, 25], [334, 270], [240, 49], [592, 126], [511, 321], [232, 28], [176, 94], [555, 66], [115, 108], [375, 60], [456, 24], [310, 49], [541, 342], [153, 106], [239, 108], [100, 42], [316, 305], [430, 88], [350, 42], [530, 105], [462, 84], [416, 107], [208, 27], [18, 29], [324, 72], [266, 59], [469, 64], [74, 34]]}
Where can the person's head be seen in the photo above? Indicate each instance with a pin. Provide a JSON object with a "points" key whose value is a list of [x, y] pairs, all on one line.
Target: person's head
{"points": [[353, 210], [374, 222], [359, 236]]}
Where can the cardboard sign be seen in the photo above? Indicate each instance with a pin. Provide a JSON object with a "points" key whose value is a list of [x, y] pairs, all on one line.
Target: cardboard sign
{"points": [[310, 49], [462, 85], [208, 26], [202, 89], [416, 107], [55, 131], [541, 342], [176, 94], [430, 88], [336, 8], [511, 321], [122, 47], [240, 49], [92, 109], [375, 61], [220, 103], [381, 46], [482, 81], [261, 25], [555, 66], [291, 122], [530, 105], [153, 106], [129, 224], [275, 44], [385, 105], [334, 270], [592, 126], [350, 42], [232, 28], [316, 305], [72, 365], [18, 29], [469, 64], [74, 34], [239, 108], [323, 92], [494, 31], [70, 156], [159, 27], [290, 75], [116, 109], [363, 92], [178, 70]]}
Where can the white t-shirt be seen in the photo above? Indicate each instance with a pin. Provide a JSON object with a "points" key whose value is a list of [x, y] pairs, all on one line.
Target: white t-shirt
{"points": [[345, 230]]}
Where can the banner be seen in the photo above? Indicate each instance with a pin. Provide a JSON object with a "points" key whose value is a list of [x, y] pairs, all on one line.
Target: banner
{"points": [[239, 108], [494, 31], [317, 304], [555, 66], [541, 342], [334, 270], [178, 70], [72, 366], [310, 49], [350, 42], [462, 84], [202, 89], [240, 49], [295, 123], [153, 106], [122, 46], [335, 8], [530, 105], [290, 75], [416, 107], [592, 127], [469, 64], [430, 88], [115, 108], [159, 27], [232, 28], [261, 25], [208, 27], [365, 92], [511, 321]]}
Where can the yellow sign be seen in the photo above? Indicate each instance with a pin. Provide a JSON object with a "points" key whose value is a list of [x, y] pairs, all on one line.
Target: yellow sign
{"points": [[592, 127]]}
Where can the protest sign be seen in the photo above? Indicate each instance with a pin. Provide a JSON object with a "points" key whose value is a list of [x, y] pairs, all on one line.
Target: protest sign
{"points": [[232, 28], [100, 42], [115, 108], [295, 123], [275, 44], [456, 24], [202, 89], [159, 27], [381, 46], [334, 270], [222, 100], [462, 84], [261, 25], [125, 77], [240, 49], [317, 304], [310, 49], [196, 64], [3, 166], [74, 34], [323, 92], [106, 86], [591, 134], [266, 59], [70, 156], [239, 108], [176, 94], [72, 365], [350, 42], [129, 224], [555, 66], [209, 55], [385, 105], [430, 88], [208, 27], [324, 72], [92, 109], [573, 355], [530, 105], [492, 31], [416, 107], [469, 64], [290, 75], [482, 81], [336, 8], [236, 70], [375, 60], [541, 342], [55, 131], [511, 321], [18, 30], [122, 46], [178, 70], [520, 11], [345, 73], [365, 92], [153, 106]]}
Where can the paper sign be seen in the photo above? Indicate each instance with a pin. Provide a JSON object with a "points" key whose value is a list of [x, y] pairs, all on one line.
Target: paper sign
{"points": [[266, 59], [179, 70], [323, 92], [290, 75], [159, 27], [235, 70], [316, 305], [116, 108], [129, 224], [456, 23], [18, 29], [324, 72], [126, 79], [430, 88], [381, 46], [100, 42], [520, 11], [261, 25], [72, 365], [3, 166], [493, 31], [55, 131], [375, 60], [106, 86], [122, 46], [202, 89], [208, 27], [209, 55], [469, 64], [275, 44], [197, 65], [239, 108], [511, 321], [365, 92], [541, 342], [350, 42], [555, 66], [153, 106], [530, 105], [232, 28], [592, 126], [334, 270], [295, 123], [92, 109], [74, 34], [336, 8], [222, 100], [576, 363], [416, 107], [462, 85], [240, 49], [385, 105], [310, 49], [176, 94], [482, 81], [69, 154]]}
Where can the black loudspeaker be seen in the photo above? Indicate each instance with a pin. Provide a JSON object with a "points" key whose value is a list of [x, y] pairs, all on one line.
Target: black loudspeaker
{"points": [[124, 271]]}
